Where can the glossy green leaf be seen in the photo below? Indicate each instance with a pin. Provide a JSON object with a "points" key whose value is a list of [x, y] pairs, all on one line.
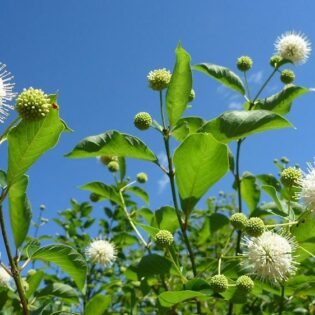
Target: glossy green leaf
{"points": [[250, 191], [67, 258], [304, 234], [179, 89], [103, 190], [20, 210], [112, 143], [170, 298], [281, 102], [60, 290], [98, 305], [166, 219], [140, 193], [270, 180], [151, 230], [236, 125], [223, 75], [29, 140], [200, 161], [271, 191], [186, 126], [153, 264], [217, 221], [34, 282]]}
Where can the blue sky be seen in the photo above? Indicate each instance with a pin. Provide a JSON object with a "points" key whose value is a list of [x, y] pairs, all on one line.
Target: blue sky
{"points": [[97, 54]]}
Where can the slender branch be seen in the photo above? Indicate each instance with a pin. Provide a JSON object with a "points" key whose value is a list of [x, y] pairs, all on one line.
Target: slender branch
{"points": [[264, 85], [142, 240], [246, 84], [14, 269], [281, 300], [161, 109]]}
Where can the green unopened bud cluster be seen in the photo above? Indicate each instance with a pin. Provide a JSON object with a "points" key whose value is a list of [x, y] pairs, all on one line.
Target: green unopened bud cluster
{"points": [[94, 197], [164, 238], [33, 104], [105, 159], [287, 76], [113, 166], [275, 61], [143, 120], [142, 178], [219, 283], [244, 63], [291, 176], [159, 79], [244, 284], [253, 226], [192, 96]]}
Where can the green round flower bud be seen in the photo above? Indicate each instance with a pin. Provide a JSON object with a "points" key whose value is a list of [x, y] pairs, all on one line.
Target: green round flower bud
{"points": [[239, 221], [245, 284], [31, 272], [164, 238], [32, 104], [106, 159], [219, 283], [244, 63], [159, 79], [255, 227], [284, 160], [287, 76], [142, 178], [113, 166], [291, 176], [275, 61], [143, 120], [192, 96], [94, 197]]}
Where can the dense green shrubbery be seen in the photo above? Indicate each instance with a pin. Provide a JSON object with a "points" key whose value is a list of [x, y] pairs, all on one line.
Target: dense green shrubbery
{"points": [[181, 258]]}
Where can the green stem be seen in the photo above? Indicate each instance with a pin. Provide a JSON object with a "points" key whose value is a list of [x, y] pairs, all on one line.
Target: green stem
{"points": [[14, 269], [264, 85], [142, 240], [161, 109], [176, 266], [282, 224], [281, 300], [246, 84]]}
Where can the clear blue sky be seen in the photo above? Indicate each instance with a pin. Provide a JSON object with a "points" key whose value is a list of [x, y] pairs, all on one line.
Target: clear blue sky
{"points": [[97, 54]]}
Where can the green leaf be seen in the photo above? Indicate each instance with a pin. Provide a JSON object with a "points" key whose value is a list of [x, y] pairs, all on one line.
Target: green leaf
{"points": [[58, 289], [105, 191], [112, 143], [200, 161], [97, 305], [281, 102], [67, 258], [250, 191], [235, 125], [223, 75], [29, 140], [140, 193], [271, 191], [20, 210], [186, 126], [217, 222], [153, 265], [122, 168], [3, 179], [269, 179], [304, 234], [33, 282], [166, 219], [152, 231], [178, 91], [170, 298]]}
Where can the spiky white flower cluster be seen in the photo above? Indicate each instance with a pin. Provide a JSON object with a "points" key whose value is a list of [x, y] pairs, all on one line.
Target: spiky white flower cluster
{"points": [[101, 252], [270, 256], [293, 46], [4, 278], [6, 92], [307, 184]]}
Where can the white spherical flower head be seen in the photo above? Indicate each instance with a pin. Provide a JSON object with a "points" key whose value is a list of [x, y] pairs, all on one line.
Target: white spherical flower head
{"points": [[270, 256], [307, 184], [101, 252], [293, 46], [4, 278], [6, 92]]}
